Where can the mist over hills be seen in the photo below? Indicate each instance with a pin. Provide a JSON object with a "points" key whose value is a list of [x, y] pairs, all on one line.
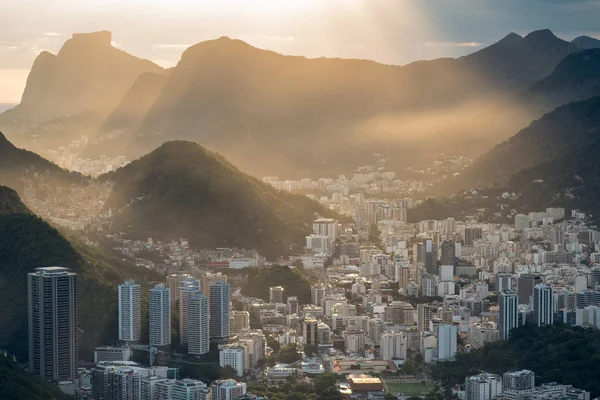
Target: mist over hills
{"points": [[298, 116], [87, 73], [550, 163], [575, 78], [184, 190], [17, 163]]}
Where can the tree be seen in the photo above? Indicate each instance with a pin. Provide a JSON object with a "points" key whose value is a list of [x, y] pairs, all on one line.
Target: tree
{"points": [[289, 354], [310, 350], [227, 372]]}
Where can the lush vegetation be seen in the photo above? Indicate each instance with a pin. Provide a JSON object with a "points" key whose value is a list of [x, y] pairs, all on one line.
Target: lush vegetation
{"points": [[558, 353], [26, 243], [16, 384], [10, 202], [322, 388], [184, 190], [259, 281]]}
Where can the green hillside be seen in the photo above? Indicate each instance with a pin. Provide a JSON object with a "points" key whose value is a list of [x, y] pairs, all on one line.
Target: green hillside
{"points": [[26, 243], [184, 190], [559, 353], [16, 384]]}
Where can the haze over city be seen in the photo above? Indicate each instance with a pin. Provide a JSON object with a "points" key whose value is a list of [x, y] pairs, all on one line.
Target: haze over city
{"points": [[300, 200], [388, 31]]}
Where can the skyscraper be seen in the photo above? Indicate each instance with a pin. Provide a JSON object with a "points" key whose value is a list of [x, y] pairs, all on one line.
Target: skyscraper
{"points": [[471, 235], [447, 336], [543, 310], [160, 316], [53, 318], [130, 312], [187, 287], [317, 294], [525, 285], [393, 345], [427, 254], [448, 252], [198, 323], [276, 294], [220, 310], [508, 318]]}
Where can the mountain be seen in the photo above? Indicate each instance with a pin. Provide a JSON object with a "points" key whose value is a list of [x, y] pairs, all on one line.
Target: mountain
{"points": [[10, 202], [28, 242], [551, 162], [137, 101], [87, 73], [518, 62], [575, 78], [184, 190], [586, 42], [17, 384], [16, 164], [310, 116]]}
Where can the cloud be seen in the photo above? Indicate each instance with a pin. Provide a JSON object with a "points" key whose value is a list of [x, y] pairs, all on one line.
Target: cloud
{"points": [[455, 44], [51, 34]]}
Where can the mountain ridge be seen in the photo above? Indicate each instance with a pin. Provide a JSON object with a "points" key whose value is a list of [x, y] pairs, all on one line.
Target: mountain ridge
{"points": [[181, 186]]}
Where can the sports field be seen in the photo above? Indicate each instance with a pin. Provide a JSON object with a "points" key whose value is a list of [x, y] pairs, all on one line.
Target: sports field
{"points": [[406, 388]]}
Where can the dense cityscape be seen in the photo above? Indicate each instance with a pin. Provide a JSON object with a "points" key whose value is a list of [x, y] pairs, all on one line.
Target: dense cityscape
{"points": [[300, 200]]}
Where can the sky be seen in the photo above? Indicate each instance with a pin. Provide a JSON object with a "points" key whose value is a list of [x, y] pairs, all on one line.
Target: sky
{"points": [[388, 31]]}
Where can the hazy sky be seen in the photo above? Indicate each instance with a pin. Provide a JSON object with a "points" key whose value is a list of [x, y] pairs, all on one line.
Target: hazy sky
{"points": [[389, 31]]}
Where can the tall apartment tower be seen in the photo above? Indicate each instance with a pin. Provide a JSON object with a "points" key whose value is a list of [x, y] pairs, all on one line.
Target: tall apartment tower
{"points": [[427, 254], [525, 285], [543, 305], [130, 312], [317, 294], [53, 344], [276, 294], [220, 310], [509, 314], [160, 316], [198, 324], [187, 288]]}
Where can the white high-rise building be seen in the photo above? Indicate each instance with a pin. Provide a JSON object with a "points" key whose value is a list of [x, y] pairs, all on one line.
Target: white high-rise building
{"points": [[187, 288], [393, 345], [447, 337], [354, 342], [317, 294], [483, 387], [220, 310], [232, 356], [160, 316], [116, 382], [189, 389], [130, 312], [509, 313], [53, 344], [198, 323], [326, 227], [543, 309], [227, 389], [149, 387]]}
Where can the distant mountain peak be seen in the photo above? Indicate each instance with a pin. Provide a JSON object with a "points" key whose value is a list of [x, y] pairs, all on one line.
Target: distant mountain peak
{"points": [[102, 38], [586, 42], [541, 36], [510, 40]]}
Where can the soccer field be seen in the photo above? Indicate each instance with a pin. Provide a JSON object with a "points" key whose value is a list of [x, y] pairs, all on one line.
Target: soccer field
{"points": [[406, 388]]}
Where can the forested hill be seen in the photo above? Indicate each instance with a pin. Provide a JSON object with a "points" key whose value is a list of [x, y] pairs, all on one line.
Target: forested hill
{"points": [[182, 189]]}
